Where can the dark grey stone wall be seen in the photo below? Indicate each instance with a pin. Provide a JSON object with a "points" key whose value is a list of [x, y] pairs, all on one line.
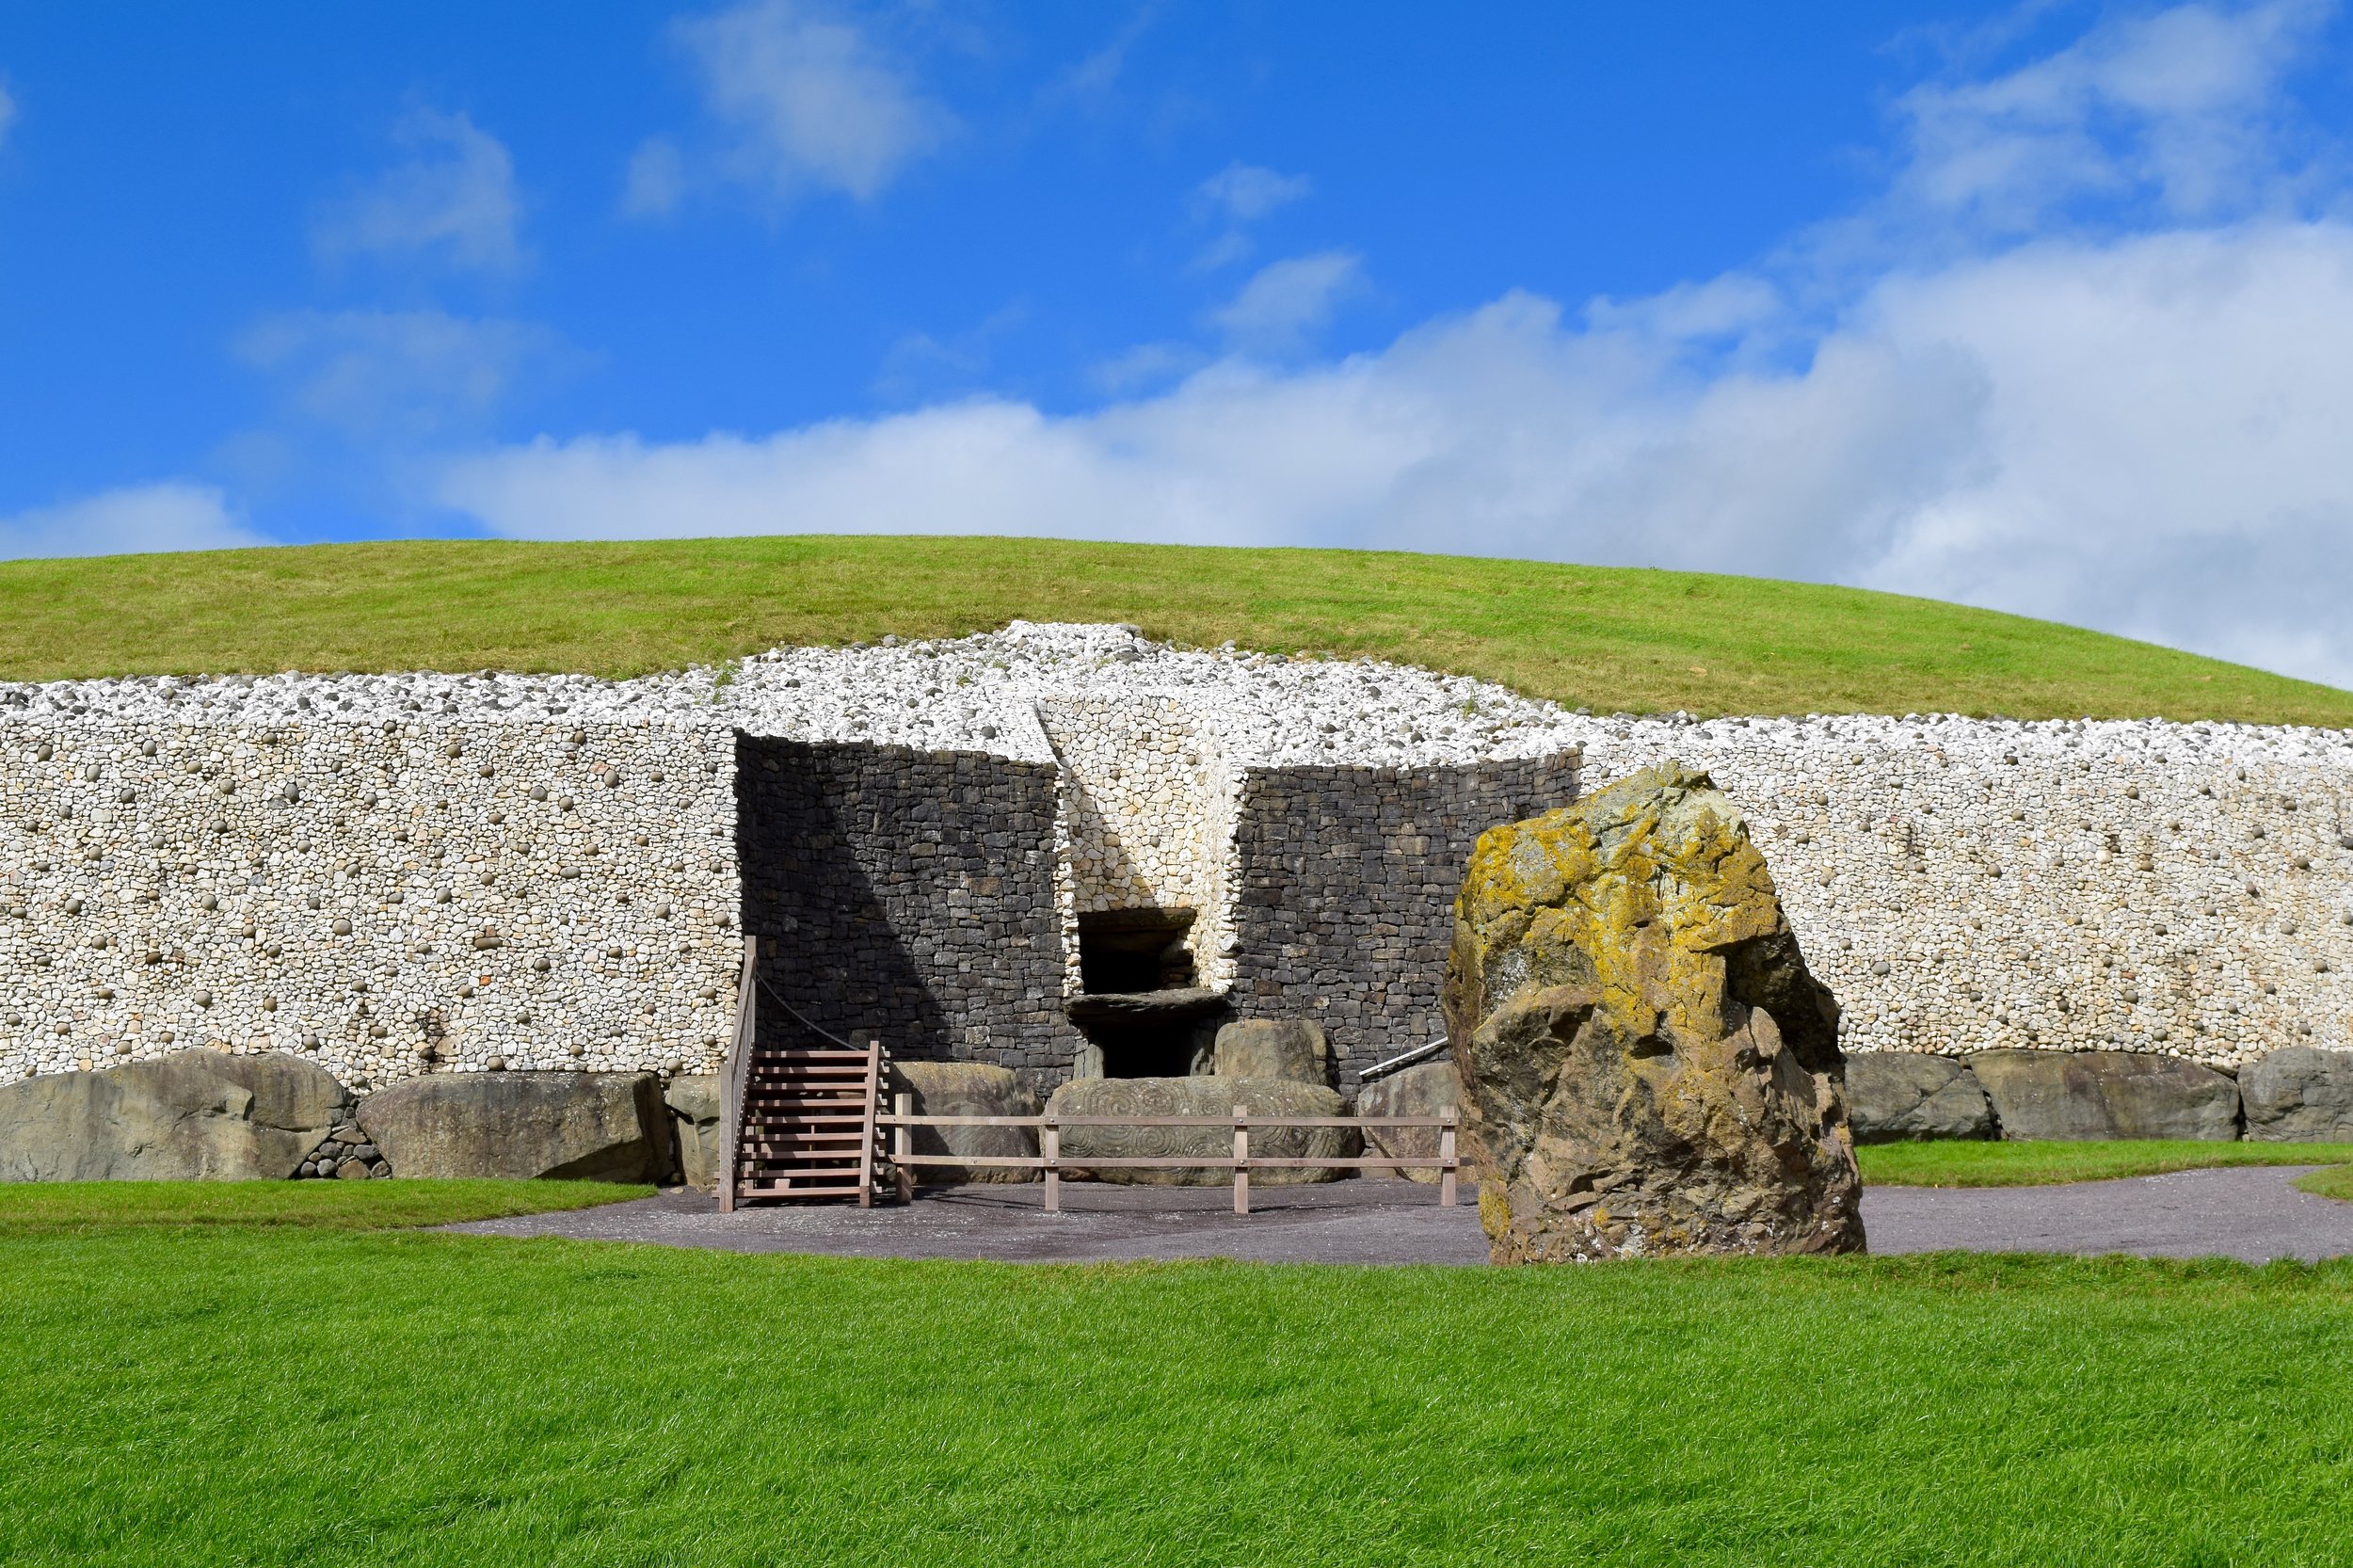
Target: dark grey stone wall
{"points": [[905, 895], [910, 896], [1347, 879]]}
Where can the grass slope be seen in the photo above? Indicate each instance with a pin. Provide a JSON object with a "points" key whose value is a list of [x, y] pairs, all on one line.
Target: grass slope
{"points": [[2030, 1163], [240, 1395], [1612, 638]]}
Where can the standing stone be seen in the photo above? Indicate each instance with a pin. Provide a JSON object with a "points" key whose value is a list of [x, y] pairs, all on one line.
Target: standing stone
{"points": [[1894, 1095], [192, 1115], [1429, 1089], [1289, 1048], [1203, 1096], [2071, 1096], [693, 1101], [969, 1089], [2299, 1095], [573, 1127], [1647, 1066]]}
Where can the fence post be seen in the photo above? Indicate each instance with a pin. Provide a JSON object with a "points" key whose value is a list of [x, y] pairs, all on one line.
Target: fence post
{"points": [[1241, 1161], [902, 1144], [1446, 1153], [1053, 1166]]}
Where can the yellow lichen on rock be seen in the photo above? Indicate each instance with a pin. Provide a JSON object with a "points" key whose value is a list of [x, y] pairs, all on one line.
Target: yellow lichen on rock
{"points": [[1634, 1023]]}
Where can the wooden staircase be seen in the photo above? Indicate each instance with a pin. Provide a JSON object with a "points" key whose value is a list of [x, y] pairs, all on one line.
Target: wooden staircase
{"points": [[800, 1123]]}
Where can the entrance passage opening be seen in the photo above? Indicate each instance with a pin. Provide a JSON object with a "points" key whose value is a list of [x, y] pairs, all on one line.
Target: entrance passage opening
{"points": [[1138, 1006], [1135, 950]]}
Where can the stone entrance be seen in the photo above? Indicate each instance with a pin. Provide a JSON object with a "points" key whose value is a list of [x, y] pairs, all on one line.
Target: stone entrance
{"points": [[1138, 1004]]}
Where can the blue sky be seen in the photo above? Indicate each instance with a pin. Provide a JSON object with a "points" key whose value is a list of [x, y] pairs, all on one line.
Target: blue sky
{"points": [[2045, 307]]}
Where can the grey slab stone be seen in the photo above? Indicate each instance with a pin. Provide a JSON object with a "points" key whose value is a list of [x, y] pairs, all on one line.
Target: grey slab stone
{"points": [[2299, 1095], [582, 1126], [1429, 1089], [1893, 1096], [194, 1115], [967, 1089], [1204, 1095], [1289, 1048], [2105, 1094], [693, 1101]]}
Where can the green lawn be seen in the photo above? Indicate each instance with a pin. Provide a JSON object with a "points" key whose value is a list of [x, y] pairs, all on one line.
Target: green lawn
{"points": [[304, 1395], [30, 1207], [2027, 1163], [2334, 1182], [1611, 637]]}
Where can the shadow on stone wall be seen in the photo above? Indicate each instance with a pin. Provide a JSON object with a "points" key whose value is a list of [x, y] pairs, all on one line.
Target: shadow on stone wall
{"points": [[1345, 902], [906, 896]]}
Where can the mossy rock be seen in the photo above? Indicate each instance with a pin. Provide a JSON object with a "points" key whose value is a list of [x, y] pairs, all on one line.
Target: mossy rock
{"points": [[1647, 1066]]}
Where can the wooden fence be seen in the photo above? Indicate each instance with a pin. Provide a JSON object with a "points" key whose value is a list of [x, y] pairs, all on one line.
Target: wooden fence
{"points": [[1052, 1160]]}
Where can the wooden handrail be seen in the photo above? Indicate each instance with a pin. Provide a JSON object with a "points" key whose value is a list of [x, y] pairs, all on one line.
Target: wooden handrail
{"points": [[903, 1119], [866, 1126], [1049, 1159], [738, 1064]]}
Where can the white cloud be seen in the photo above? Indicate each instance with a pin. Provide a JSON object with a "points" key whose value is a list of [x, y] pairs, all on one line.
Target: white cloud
{"points": [[403, 376], [806, 102], [1285, 303], [453, 199], [1244, 193], [132, 520], [2143, 436], [2136, 426], [1090, 82], [2179, 108], [655, 181], [1238, 196]]}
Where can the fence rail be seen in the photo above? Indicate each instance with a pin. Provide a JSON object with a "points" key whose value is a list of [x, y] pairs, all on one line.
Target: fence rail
{"points": [[1053, 1163]]}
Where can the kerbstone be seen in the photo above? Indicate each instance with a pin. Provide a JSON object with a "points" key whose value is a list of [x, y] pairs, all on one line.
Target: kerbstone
{"points": [[695, 1101], [1893, 1096], [969, 1089], [1203, 1096], [572, 1126], [2095, 1095], [191, 1116], [2299, 1095], [1291, 1049], [1426, 1088]]}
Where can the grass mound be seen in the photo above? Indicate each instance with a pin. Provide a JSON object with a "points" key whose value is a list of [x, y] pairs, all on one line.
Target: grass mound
{"points": [[1609, 637], [2030, 1164], [33, 1206]]}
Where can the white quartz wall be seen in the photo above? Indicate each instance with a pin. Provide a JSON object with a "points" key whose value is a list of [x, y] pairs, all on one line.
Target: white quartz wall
{"points": [[1962, 884], [385, 897], [1141, 824]]}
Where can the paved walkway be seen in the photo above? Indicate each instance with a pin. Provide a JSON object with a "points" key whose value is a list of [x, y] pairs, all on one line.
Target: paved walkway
{"points": [[2253, 1214]]}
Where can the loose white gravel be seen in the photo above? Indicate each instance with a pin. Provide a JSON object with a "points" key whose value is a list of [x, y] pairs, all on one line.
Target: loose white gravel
{"points": [[969, 694]]}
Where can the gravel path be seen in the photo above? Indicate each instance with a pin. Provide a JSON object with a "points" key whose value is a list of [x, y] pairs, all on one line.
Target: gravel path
{"points": [[2252, 1214]]}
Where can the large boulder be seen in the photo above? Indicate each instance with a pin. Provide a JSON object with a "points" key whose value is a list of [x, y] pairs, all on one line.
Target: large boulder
{"points": [[191, 1116], [1429, 1089], [2299, 1095], [1204, 1095], [1894, 1094], [2105, 1094], [967, 1089], [577, 1127], [695, 1102], [1647, 1066], [1289, 1048]]}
